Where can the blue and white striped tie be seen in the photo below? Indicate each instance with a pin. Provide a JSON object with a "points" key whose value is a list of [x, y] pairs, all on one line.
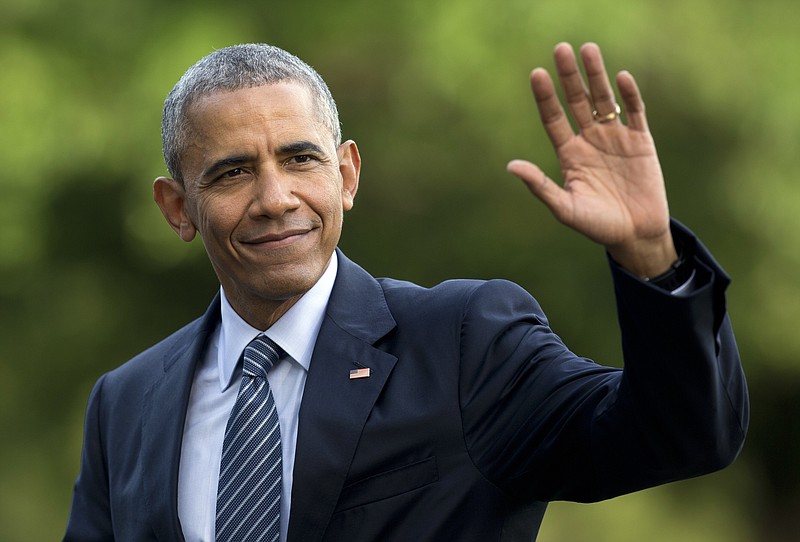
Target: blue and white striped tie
{"points": [[249, 491]]}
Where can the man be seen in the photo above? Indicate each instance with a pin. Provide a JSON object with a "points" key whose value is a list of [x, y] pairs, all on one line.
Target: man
{"points": [[393, 412]]}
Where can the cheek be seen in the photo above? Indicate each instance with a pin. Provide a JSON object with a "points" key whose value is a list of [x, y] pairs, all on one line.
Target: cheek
{"points": [[217, 217], [334, 212], [331, 200]]}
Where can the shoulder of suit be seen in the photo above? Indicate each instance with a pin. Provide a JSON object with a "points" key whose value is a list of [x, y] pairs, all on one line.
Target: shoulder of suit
{"points": [[450, 292]]}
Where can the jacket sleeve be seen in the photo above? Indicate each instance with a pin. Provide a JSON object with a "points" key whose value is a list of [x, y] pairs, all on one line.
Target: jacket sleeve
{"points": [[544, 423], [90, 515]]}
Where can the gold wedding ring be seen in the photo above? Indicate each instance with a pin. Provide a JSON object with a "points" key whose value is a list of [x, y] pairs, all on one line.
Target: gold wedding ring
{"points": [[607, 117]]}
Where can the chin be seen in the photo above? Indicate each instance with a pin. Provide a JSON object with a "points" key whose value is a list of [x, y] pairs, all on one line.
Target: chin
{"points": [[283, 286]]}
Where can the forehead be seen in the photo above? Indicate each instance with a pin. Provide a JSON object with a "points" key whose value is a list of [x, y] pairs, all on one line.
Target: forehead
{"points": [[253, 122], [259, 117], [285, 101]]}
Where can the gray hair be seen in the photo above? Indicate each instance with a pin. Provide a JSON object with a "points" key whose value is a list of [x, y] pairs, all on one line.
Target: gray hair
{"points": [[233, 68]]}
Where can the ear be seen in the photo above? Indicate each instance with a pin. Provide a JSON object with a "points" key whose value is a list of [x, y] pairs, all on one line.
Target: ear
{"points": [[350, 170], [170, 196]]}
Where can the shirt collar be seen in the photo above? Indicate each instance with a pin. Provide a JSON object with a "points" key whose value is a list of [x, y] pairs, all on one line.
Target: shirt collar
{"points": [[295, 332]]}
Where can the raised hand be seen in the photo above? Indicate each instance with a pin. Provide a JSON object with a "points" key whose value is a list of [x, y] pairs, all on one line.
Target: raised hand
{"points": [[613, 190]]}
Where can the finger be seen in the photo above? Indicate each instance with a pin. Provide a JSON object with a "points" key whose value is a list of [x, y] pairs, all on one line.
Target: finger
{"points": [[632, 100], [574, 88], [554, 119], [599, 86], [540, 185]]}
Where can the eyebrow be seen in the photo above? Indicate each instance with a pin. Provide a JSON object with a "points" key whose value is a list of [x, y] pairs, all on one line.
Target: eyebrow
{"points": [[299, 147]]}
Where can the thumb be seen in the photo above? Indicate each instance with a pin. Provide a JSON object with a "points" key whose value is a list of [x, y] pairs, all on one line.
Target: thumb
{"points": [[538, 183]]}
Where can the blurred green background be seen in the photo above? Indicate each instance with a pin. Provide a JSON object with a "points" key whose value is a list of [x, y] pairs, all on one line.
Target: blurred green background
{"points": [[436, 94]]}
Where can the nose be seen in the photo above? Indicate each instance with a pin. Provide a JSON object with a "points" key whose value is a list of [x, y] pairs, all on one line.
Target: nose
{"points": [[273, 194]]}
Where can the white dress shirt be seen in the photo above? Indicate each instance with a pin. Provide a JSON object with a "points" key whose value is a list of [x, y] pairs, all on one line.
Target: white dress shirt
{"points": [[214, 390]]}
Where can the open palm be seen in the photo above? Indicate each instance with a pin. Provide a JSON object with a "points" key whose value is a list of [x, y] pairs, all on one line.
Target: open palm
{"points": [[613, 190]]}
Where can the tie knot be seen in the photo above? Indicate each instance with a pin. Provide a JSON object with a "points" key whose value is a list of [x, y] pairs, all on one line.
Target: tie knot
{"points": [[260, 355]]}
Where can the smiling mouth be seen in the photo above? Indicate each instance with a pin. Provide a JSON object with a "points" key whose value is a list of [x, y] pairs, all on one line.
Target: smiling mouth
{"points": [[280, 239]]}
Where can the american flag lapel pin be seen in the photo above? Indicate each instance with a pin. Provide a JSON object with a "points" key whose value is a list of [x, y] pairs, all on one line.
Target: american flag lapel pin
{"points": [[361, 372]]}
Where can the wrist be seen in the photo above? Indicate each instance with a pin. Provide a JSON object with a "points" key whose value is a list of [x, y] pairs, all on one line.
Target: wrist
{"points": [[646, 259]]}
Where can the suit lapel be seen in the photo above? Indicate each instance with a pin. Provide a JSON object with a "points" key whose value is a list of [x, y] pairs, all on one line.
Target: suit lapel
{"points": [[332, 414], [335, 407], [163, 417]]}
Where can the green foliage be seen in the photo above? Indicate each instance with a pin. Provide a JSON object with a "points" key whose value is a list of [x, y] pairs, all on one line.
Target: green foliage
{"points": [[436, 95]]}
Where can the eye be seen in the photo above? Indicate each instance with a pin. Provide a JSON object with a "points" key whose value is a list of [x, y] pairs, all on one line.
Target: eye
{"points": [[235, 172], [301, 159]]}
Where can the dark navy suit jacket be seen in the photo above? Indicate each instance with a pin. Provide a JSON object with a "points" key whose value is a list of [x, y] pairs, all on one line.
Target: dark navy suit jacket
{"points": [[474, 416]]}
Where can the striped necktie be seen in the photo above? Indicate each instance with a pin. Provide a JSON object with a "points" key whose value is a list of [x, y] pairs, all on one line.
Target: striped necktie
{"points": [[249, 490]]}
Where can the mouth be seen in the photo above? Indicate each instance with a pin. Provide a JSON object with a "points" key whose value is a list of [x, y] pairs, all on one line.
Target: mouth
{"points": [[280, 239]]}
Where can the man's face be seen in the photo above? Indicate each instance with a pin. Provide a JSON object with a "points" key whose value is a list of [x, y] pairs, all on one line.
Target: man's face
{"points": [[266, 188]]}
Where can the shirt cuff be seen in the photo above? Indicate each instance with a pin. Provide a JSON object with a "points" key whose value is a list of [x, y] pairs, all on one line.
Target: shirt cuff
{"points": [[679, 279]]}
